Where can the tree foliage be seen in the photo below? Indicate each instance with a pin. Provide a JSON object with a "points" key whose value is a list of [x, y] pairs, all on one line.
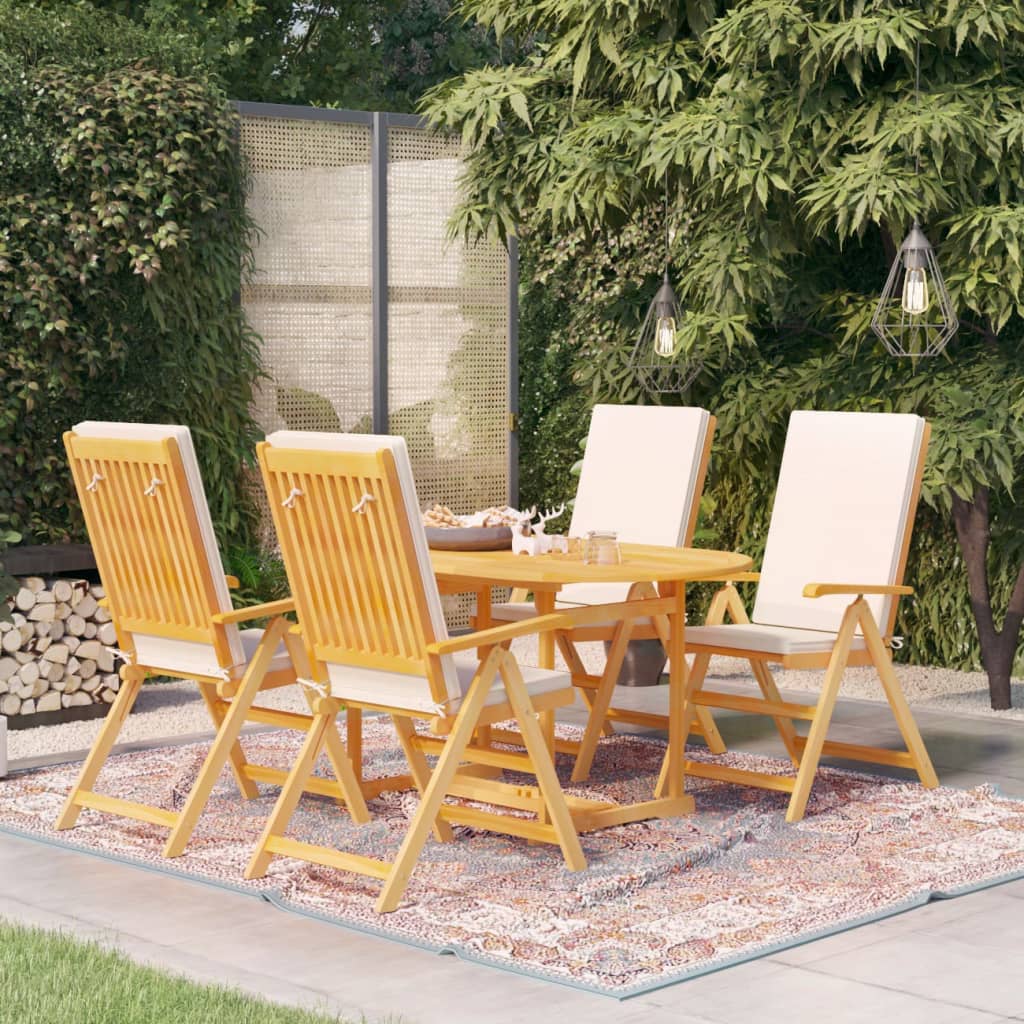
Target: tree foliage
{"points": [[362, 54], [123, 235], [785, 133]]}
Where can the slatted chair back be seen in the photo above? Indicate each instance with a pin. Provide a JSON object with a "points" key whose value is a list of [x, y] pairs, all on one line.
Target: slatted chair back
{"points": [[843, 513], [149, 526], [353, 544], [642, 476]]}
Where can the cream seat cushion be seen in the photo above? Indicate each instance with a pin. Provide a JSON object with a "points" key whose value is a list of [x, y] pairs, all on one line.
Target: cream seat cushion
{"points": [[393, 689], [767, 639]]}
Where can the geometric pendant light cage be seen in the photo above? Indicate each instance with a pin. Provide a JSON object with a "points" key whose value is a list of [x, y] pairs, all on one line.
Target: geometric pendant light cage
{"points": [[914, 317], [656, 360]]}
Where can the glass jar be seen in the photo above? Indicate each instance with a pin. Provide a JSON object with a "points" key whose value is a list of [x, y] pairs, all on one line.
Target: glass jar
{"points": [[602, 548]]}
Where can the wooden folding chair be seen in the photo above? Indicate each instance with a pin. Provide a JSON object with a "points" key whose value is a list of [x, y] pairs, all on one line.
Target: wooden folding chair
{"points": [[643, 476], [844, 510], [149, 526], [353, 544]]}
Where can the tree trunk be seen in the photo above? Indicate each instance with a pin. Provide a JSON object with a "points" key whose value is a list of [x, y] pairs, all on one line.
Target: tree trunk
{"points": [[998, 647]]}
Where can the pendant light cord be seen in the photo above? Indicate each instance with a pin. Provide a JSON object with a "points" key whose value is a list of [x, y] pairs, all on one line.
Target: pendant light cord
{"points": [[917, 103], [668, 242]]}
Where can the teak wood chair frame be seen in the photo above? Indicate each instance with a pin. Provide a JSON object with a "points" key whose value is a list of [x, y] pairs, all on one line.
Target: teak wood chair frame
{"points": [[806, 752], [362, 596], [599, 690], [143, 526]]}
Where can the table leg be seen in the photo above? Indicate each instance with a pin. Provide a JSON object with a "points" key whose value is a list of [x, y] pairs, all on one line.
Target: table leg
{"points": [[544, 600], [677, 717]]}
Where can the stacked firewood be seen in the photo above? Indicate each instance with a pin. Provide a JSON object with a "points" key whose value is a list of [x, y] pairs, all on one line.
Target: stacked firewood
{"points": [[58, 649]]}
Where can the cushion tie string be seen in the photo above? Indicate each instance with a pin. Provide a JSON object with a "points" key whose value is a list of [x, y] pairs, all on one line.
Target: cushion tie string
{"points": [[360, 507], [119, 654], [896, 642], [289, 502], [92, 484], [150, 491], [323, 689]]}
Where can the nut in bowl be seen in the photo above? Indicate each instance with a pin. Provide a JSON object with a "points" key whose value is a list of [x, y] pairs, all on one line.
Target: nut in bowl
{"points": [[489, 530]]}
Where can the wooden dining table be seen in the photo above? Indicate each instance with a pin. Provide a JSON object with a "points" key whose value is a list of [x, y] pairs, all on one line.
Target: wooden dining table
{"points": [[668, 569]]}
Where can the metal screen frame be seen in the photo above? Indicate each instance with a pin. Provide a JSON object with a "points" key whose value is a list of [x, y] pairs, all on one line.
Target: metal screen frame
{"points": [[379, 124]]}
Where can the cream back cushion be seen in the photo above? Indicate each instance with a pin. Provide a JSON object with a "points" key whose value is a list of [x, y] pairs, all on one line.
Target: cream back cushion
{"points": [[161, 652], [392, 689], [639, 477], [840, 513]]}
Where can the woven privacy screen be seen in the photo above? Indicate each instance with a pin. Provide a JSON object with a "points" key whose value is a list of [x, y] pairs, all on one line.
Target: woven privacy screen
{"points": [[447, 331], [443, 334]]}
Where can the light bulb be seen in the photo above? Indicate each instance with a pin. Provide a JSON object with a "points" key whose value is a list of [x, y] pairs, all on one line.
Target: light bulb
{"points": [[915, 292], [665, 336]]}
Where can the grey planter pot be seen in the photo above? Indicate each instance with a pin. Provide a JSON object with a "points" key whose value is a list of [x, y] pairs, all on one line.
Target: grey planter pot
{"points": [[643, 664]]}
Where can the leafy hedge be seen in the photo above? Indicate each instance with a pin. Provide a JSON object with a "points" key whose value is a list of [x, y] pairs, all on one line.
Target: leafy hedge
{"points": [[123, 235]]}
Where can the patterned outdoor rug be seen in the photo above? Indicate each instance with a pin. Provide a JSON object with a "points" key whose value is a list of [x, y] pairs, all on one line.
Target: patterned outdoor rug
{"points": [[661, 901]]}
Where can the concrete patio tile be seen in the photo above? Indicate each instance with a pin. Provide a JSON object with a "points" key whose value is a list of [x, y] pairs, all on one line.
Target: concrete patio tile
{"points": [[938, 967], [785, 995]]}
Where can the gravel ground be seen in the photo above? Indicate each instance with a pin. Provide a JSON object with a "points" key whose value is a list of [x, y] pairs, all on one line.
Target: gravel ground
{"points": [[175, 709]]}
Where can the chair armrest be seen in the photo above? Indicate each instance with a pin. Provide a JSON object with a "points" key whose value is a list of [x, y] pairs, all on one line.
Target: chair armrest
{"points": [[825, 589], [232, 582], [256, 611], [568, 619]]}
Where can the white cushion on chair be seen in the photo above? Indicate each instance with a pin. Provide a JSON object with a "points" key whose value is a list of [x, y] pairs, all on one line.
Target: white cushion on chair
{"points": [[155, 651], [840, 514], [393, 689], [336, 442], [639, 478], [767, 639]]}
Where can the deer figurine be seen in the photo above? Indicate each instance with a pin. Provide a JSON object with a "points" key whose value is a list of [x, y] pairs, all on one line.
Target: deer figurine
{"points": [[529, 539]]}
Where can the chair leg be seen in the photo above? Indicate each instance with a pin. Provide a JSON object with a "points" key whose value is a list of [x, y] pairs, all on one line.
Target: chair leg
{"points": [[822, 716], [291, 791], [602, 699], [440, 780], [894, 693], [543, 766], [547, 729], [131, 685], [420, 769], [576, 667], [226, 739], [236, 758], [712, 737], [785, 727]]}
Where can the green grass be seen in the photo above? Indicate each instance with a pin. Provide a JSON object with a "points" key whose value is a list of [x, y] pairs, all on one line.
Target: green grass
{"points": [[51, 978]]}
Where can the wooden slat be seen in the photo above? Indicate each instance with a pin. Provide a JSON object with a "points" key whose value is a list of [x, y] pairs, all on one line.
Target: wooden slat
{"points": [[590, 820], [285, 847], [860, 752], [740, 776], [754, 705], [126, 808], [503, 823]]}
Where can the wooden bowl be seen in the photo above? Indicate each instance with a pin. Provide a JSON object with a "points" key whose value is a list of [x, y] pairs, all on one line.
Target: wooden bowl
{"points": [[469, 538]]}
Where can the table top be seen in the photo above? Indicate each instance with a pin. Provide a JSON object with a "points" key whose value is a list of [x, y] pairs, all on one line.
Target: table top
{"points": [[641, 563]]}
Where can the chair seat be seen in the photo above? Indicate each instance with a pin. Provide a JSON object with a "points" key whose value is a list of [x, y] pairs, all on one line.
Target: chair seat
{"points": [[516, 611], [251, 640], [393, 689], [751, 636]]}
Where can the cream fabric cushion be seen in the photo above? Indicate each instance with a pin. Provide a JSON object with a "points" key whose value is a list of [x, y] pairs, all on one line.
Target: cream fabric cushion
{"points": [[768, 639], [840, 514], [155, 651], [639, 478], [394, 688]]}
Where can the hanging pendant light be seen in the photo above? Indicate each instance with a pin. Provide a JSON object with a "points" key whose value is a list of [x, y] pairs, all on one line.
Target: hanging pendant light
{"points": [[655, 359], [914, 317]]}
